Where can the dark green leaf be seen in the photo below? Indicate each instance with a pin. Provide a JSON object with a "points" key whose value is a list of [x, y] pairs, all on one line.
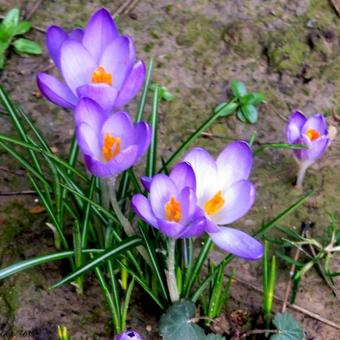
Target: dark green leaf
{"points": [[238, 88], [240, 116], [175, 323], [250, 113], [288, 327], [25, 46]]}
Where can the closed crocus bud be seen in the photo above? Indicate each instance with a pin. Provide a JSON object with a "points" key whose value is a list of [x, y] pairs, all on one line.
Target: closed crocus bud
{"points": [[96, 63], [311, 132], [128, 335]]}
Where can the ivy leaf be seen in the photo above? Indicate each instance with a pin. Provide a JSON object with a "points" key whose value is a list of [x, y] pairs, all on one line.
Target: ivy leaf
{"points": [[238, 88], [250, 113], [25, 46], [253, 98], [288, 327], [175, 323]]}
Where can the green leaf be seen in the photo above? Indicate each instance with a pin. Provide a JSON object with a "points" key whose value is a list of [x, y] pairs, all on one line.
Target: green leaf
{"points": [[25, 46], [250, 113], [238, 88], [175, 323], [11, 19], [23, 27], [123, 246], [2, 60], [288, 327], [240, 116], [253, 98], [212, 336], [224, 109]]}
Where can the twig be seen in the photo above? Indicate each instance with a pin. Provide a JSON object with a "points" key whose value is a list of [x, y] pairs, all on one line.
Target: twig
{"points": [[291, 306], [17, 193], [258, 331], [130, 7], [289, 284], [33, 9], [121, 8]]}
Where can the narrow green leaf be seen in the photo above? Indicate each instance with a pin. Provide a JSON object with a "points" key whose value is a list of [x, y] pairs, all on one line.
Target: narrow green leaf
{"points": [[264, 147], [26, 46], [125, 305], [23, 27], [121, 247]]}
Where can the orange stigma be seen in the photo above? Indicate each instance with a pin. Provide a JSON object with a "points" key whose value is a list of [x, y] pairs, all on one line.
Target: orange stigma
{"points": [[214, 205], [100, 76], [173, 211], [312, 134], [111, 147]]}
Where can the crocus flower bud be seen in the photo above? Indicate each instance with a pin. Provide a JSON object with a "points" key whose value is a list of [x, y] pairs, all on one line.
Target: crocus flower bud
{"points": [[128, 335], [313, 133]]}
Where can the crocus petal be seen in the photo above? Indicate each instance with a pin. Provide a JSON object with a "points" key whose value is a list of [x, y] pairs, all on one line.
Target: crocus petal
{"points": [[170, 229], [205, 170], [124, 160], [87, 140], [316, 122], [142, 137], [146, 181], [193, 229], [120, 125], [183, 175], [162, 188], [116, 60], [296, 122], [188, 202], [234, 163], [317, 148], [142, 207], [76, 34], [128, 335], [89, 112], [76, 63], [132, 84], [55, 37], [239, 198], [238, 243], [99, 32], [55, 91], [103, 94]]}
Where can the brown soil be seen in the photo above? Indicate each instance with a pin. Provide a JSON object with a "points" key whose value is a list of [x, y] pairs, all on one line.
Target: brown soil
{"points": [[287, 49]]}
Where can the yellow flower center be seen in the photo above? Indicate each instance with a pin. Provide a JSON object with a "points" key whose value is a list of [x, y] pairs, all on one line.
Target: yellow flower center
{"points": [[111, 147], [312, 134], [214, 205], [173, 210], [100, 76]]}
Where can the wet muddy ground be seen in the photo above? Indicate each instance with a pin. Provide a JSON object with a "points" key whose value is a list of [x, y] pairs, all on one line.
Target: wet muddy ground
{"points": [[287, 49]]}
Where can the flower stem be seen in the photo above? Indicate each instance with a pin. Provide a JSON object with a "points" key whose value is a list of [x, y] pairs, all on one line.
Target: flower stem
{"points": [[170, 275], [301, 175]]}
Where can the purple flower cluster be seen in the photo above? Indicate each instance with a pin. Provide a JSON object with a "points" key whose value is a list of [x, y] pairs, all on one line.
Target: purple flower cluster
{"points": [[201, 195], [100, 73]]}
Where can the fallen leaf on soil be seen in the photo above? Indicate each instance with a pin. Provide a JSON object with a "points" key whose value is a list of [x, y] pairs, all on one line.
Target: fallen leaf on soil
{"points": [[38, 209]]}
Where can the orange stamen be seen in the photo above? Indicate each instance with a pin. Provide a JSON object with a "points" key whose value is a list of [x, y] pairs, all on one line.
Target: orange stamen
{"points": [[214, 205], [100, 76], [173, 211], [111, 147], [312, 134]]}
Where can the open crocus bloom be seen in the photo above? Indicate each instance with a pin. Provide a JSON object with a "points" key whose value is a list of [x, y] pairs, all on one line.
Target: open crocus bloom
{"points": [[311, 132], [225, 194], [172, 205], [96, 63], [110, 144]]}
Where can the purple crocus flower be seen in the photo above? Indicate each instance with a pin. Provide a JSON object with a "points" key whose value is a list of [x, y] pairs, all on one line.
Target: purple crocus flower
{"points": [[225, 194], [96, 63], [110, 143], [128, 335], [311, 132], [172, 205]]}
